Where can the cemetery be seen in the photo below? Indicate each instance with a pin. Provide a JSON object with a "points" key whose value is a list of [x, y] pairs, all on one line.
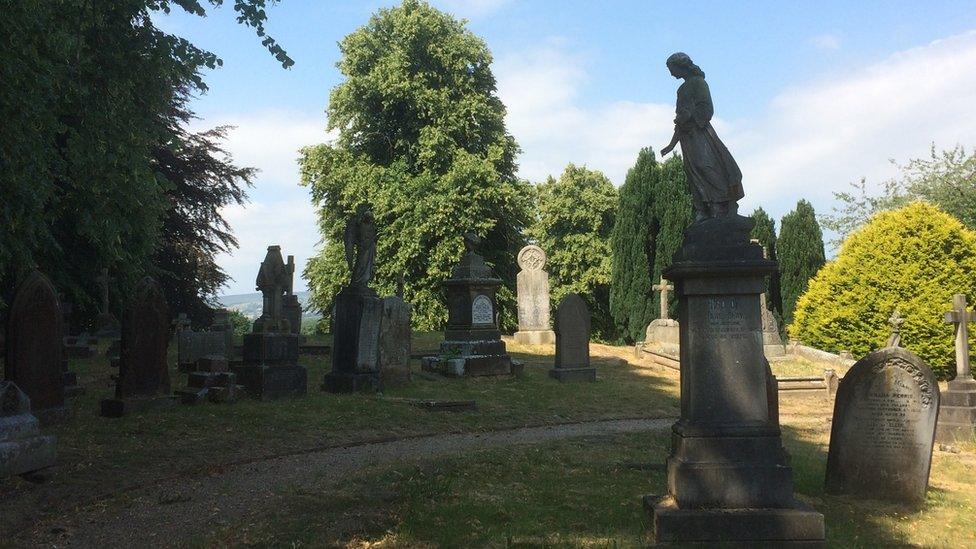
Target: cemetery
{"points": [[479, 359]]}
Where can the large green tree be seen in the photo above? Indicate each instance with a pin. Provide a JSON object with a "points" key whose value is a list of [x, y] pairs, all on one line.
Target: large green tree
{"points": [[653, 212], [422, 141], [765, 232], [88, 86], [575, 220], [800, 250]]}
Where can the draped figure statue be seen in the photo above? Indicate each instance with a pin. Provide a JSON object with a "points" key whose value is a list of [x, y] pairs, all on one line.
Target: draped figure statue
{"points": [[360, 244]]}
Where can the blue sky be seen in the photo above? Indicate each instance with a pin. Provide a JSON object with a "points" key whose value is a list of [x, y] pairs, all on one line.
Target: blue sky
{"points": [[809, 96]]}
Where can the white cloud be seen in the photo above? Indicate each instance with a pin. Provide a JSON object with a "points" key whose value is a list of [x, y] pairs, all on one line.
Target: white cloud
{"points": [[815, 139], [830, 42], [472, 8], [541, 89]]}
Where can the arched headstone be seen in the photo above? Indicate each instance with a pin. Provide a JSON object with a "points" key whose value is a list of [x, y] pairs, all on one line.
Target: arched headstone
{"points": [[33, 347], [532, 284], [573, 341], [883, 427]]}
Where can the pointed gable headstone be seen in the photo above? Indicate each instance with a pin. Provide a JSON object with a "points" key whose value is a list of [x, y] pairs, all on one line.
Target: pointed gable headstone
{"points": [[33, 347]]}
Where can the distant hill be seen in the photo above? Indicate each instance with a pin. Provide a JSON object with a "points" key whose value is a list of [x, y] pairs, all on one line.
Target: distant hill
{"points": [[250, 304]]}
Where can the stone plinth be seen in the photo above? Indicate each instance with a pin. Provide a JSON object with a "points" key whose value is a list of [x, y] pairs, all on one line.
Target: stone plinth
{"points": [[727, 467], [472, 343], [355, 342], [23, 449], [535, 337], [270, 369], [663, 334], [957, 412]]}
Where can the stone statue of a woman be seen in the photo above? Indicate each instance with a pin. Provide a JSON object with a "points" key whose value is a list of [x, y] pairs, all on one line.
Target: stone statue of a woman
{"points": [[360, 244], [713, 176]]}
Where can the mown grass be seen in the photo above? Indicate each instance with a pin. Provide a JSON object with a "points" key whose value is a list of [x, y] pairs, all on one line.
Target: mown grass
{"points": [[100, 458]]}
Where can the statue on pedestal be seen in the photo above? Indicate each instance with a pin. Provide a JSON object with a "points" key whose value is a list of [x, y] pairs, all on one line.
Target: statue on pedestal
{"points": [[360, 243]]}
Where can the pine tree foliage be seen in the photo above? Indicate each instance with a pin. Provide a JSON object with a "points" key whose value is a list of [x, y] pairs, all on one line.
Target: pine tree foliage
{"points": [[765, 232], [800, 250]]}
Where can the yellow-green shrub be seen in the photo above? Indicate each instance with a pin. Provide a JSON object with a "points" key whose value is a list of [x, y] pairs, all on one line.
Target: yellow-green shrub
{"points": [[914, 258]]}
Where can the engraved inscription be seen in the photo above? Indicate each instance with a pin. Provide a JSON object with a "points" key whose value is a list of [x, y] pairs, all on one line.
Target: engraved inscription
{"points": [[726, 318], [482, 311]]}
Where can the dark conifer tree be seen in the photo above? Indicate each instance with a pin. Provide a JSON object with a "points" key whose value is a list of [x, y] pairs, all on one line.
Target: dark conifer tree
{"points": [[765, 232], [800, 250]]}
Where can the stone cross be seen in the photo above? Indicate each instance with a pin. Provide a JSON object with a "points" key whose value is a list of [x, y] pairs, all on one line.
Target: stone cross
{"points": [[961, 316], [664, 288], [896, 320], [104, 280]]}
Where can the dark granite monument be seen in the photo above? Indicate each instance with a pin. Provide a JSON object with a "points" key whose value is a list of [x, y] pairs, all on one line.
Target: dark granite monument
{"points": [[729, 478], [33, 347], [270, 366], [472, 343], [23, 449], [394, 342], [532, 284], [143, 380], [573, 341], [957, 411], [883, 428], [356, 314]]}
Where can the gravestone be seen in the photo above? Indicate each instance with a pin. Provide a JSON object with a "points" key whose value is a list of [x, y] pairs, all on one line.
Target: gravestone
{"points": [[394, 342], [662, 333], [222, 323], [472, 343], [957, 414], [532, 284], [573, 341], [33, 347], [270, 368], [211, 380], [355, 340], [106, 324], [143, 380], [883, 428], [772, 342], [23, 449], [192, 346]]}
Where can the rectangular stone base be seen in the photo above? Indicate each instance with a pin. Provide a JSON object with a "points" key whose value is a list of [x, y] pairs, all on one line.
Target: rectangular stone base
{"points": [[797, 526], [573, 374], [118, 407], [27, 455], [957, 413], [485, 365], [272, 382], [535, 337], [351, 383]]}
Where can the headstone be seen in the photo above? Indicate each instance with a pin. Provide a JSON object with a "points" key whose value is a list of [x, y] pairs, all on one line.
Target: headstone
{"points": [[957, 415], [106, 323], [772, 342], [33, 347], [211, 381], [270, 368], [143, 380], [472, 343], [222, 323], [532, 284], [573, 341], [662, 333], [356, 321], [883, 428], [23, 449], [192, 346], [394, 342]]}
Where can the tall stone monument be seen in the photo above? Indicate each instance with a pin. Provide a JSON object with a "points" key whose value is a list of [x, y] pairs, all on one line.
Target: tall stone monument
{"points": [[394, 342], [957, 415], [143, 380], [729, 478], [472, 343], [572, 361], [662, 332], [532, 284], [883, 428], [34, 346], [357, 314], [270, 368]]}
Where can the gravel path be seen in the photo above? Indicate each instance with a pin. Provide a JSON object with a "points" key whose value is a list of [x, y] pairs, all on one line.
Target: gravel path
{"points": [[169, 513]]}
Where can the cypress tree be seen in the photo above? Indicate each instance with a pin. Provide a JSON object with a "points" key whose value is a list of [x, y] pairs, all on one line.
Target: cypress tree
{"points": [[632, 246], [765, 232], [673, 214], [801, 254]]}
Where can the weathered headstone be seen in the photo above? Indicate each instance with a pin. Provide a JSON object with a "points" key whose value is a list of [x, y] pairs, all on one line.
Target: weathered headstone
{"points": [[773, 346], [957, 415], [532, 284], [106, 323], [33, 347], [662, 333], [472, 343], [23, 449], [143, 380], [572, 361], [270, 366], [394, 342], [192, 346], [222, 323], [883, 428]]}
